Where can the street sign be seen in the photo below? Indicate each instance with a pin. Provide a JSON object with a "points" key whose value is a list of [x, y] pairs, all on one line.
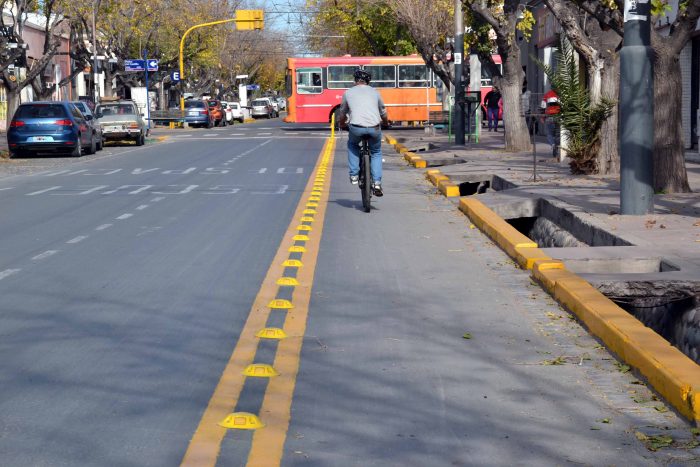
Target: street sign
{"points": [[134, 65], [175, 76], [152, 64], [252, 87]]}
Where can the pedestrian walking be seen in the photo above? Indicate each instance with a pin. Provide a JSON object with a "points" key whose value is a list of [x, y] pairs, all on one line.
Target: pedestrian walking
{"points": [[525, 105], [492, 100], [551, 107]]}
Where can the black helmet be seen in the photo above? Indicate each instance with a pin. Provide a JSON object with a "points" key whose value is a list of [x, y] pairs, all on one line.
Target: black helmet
{"points": [[362, 75]]}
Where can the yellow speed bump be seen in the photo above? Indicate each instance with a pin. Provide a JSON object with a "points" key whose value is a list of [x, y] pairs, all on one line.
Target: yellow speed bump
{"points": [[301, 238], [312, 204], [297, 249], [288, 281], [279, 304], [271, 333], [292, 263], [305, 228], [309, 211], [316, 193], [314, 198], [242, 421], [307, 219], [260, 370]]}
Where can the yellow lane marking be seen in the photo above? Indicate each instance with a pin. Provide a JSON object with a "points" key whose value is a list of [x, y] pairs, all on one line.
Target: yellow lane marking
{"points": [[268, 443], [205, 445]]}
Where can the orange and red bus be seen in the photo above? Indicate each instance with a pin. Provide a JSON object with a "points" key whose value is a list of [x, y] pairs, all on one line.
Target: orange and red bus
{"points": [[315, 86]]}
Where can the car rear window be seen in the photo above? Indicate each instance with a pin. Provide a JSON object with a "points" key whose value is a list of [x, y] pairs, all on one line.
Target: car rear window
{"points": [[194, 104], [41, 111], [259, 102], [117, 109]]}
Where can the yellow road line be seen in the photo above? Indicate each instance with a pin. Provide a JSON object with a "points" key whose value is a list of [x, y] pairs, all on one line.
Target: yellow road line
{"points": [[205, 445], [268, 443]]}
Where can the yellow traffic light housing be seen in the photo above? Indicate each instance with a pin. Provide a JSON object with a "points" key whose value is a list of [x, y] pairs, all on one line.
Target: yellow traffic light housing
{"points": [[249, 19]]}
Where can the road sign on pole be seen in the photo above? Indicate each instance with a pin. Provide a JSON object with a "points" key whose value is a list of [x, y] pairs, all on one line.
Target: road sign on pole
{"points": [[152, 64], [135, 65], [175, 76]]}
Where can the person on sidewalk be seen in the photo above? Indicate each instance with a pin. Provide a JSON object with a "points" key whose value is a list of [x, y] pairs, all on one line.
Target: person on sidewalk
{"points": [[366, 111], [491, 100], [551, 108], [525, 106]]}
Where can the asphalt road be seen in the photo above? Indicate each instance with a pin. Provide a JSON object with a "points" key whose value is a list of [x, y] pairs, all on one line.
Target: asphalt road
{"points": [[131, 280]]}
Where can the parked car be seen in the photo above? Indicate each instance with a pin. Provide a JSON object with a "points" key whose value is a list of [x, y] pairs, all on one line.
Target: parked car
{"points": [[228, 112], [236, 111], [217, 113], [197, 113], [121, 120], [275, 106], [282, 103], [262, 107], [92, 121], [50, 127]]}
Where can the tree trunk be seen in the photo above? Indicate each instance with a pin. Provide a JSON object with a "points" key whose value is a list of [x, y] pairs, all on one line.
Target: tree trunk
{"points": [[516, 132], [12, 103], [670, 175], [608, 155]]}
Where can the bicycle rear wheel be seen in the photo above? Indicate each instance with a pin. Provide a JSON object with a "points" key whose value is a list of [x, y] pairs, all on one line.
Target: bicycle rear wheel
{"points": [[365, 176]]}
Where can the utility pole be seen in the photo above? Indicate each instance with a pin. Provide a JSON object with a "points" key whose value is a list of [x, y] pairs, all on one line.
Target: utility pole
{"points": [[96, 89], [636, 111], [459, 85]]}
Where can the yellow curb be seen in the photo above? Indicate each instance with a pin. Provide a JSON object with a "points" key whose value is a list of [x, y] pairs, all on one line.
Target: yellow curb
{"points": [[526, 256], [419, 162], [670, 372], [390, 139], [500, 231], [447, 188], [162, 138], [400, 148], [248, 120], [407, 155], [547, 272]]}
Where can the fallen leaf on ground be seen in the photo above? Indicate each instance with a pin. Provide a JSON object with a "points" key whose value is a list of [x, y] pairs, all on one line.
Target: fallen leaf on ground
{"points": [[467, 336]]}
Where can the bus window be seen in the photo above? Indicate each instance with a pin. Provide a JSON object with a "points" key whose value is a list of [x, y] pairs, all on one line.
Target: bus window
{"points": [[383, 76], [288, 82], [341, 77], [413, 76], [487, 76], [309, 81]]}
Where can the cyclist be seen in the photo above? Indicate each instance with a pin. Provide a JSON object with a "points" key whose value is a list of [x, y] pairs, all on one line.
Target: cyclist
{"points": [[365, 109]]}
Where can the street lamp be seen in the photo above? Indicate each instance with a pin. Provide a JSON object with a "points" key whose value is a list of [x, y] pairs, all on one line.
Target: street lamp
{"points": [[95, 7]]}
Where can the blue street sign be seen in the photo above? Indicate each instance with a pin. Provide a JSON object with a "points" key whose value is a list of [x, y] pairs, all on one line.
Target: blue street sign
{"points": [[152, 65], [252, 87], [134, 65], [175, 76]]}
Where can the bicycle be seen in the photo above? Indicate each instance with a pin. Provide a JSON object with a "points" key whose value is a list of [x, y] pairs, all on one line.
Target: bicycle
{"points": [[365, 183]]}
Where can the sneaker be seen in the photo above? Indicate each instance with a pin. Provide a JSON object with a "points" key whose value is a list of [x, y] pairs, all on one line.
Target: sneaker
{"points": [[354, 179], [377, 189]]}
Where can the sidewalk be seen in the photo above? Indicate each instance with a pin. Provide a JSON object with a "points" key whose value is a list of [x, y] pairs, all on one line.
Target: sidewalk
{"points": [[649, 265]]}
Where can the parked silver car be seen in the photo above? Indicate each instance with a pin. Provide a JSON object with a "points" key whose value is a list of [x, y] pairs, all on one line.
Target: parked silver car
{"points": [[262, 107], [121, 120], [92, 122]]}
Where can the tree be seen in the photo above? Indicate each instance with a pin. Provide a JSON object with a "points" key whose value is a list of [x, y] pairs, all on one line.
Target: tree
{"points": [[503, 18], [670, 175], [369, 27], [598, 46], [580, 118], [54, 14]]}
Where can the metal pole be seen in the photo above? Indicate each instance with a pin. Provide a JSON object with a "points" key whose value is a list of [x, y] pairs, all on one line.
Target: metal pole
{"points": [[636, 112], [459, 87], [148, 105], [96, 89]]}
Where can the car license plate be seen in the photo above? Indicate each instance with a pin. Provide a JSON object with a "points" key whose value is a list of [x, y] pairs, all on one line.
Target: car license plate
{"points": [[116, 128], [194, 113], [40, 139]]}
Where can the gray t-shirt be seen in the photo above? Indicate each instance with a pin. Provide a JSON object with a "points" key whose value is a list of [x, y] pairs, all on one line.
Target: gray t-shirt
{"points": [[364, 105]]}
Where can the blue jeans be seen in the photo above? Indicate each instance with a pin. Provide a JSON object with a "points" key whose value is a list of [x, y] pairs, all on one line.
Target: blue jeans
{"points": [[375, 150], [492, 116], [551, 131]]}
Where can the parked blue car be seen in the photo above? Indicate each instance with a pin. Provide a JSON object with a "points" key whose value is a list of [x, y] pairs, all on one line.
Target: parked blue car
{"points": [[39, 127], [197, 113]]}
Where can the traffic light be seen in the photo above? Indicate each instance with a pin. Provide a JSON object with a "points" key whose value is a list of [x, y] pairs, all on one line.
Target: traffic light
{"points": [[249, 19]]}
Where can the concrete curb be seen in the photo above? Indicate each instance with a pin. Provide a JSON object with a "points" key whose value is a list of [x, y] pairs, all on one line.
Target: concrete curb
{"points": [[670, 372], [411, 158]]}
